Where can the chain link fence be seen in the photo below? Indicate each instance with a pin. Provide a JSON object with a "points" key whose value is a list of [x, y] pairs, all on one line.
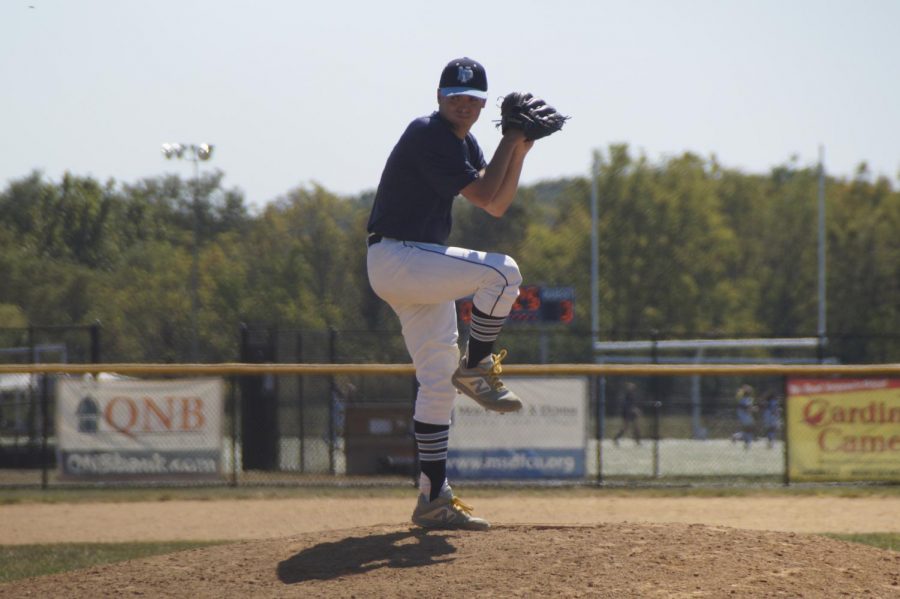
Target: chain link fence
{"points": [[301, 429], [357, 430], [26, 400]]}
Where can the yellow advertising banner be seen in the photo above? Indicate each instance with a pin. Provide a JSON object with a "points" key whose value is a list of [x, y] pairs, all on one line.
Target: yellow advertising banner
{"points": [[843, 429]]}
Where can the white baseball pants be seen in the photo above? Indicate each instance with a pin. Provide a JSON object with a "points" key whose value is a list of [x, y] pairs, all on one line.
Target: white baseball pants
{"points": [[421, 281]]}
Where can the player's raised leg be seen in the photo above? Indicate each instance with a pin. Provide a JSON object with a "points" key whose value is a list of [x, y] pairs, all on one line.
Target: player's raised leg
{"points": [[427, 274]]}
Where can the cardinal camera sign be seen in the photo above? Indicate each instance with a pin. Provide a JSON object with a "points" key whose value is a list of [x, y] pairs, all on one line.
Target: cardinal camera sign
{"points": [[114, 429], [843, 430]]}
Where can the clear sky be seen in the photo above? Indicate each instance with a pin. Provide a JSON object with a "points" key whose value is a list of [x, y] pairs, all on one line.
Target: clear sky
{"points": [[295, 92]]}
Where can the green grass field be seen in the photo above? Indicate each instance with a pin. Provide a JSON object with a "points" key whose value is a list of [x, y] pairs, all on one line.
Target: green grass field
{"points": [[881, 540], [691, 487], [24, 561]]}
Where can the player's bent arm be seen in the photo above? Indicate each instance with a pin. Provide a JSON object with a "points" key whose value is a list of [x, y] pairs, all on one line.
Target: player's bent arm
{"points": [[507, 192], [485, 192]]}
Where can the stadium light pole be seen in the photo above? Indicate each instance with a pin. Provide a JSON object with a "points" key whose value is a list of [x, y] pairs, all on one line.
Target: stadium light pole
{"points": [[595, 251], [821, 249], [196, 153]]}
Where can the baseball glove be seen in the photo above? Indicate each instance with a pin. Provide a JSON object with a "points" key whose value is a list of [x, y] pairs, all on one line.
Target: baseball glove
{"points": [[531, 115]]}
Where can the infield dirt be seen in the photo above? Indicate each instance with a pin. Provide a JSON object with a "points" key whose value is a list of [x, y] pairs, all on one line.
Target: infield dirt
{"points": [[593, 546]]}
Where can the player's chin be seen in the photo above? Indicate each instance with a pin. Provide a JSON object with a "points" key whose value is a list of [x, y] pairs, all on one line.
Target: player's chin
{"points": [[466, 120]]}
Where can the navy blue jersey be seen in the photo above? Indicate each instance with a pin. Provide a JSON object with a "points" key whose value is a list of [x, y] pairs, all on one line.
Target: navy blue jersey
{"points": [[424, 173]]}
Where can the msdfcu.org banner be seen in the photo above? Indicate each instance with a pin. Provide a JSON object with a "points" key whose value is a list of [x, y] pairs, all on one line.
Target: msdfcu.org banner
{"points": [[843, 430], [115, 429], [547, 438]]}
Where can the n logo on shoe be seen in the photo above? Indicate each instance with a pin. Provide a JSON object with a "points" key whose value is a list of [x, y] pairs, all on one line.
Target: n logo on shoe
{"points": [[480, 386], [443, 514]]}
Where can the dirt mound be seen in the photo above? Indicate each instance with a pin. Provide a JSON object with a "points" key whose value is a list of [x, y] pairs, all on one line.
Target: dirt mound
{"points": [[606, 560]]}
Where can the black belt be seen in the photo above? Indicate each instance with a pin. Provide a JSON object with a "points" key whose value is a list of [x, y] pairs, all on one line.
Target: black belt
{"points": [[374, 238]]}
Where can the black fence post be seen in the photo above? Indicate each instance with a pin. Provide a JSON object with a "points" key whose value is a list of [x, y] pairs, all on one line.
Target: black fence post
{"points": [[32, 349], [332, 358], [234, 430], [259, 407], [301, 420], [657, 406], [33, 409], [784, 431], [45, 430], [600, 399], [95, 342]]}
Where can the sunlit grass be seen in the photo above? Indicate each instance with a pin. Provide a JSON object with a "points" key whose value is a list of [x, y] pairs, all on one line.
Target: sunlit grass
{"points": [[611, 487], [26, 561], [882, 540]]}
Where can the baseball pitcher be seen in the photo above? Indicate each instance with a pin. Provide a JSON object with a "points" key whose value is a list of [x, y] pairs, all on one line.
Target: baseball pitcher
{"points": [[411, 268]]}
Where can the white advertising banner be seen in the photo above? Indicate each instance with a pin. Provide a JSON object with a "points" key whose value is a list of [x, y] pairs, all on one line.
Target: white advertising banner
{"points": [[547, 438], [113, 429]]}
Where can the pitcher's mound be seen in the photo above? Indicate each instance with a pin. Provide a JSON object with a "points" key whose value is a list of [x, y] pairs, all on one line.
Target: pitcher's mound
{"points": [[608, 560]]}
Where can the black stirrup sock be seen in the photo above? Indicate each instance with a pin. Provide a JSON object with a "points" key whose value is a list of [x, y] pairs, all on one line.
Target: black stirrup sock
{"points": [[483, 331], [432, 441]]}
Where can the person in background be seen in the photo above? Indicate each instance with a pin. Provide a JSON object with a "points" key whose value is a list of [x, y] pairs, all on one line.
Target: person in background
{"points": [[771, 417], [631, 414], [746, 415]]}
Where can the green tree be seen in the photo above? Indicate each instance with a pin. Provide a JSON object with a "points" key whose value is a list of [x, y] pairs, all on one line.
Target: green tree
{"points": [[686, 248], [12, 317], [864, 267], [302, 258]]}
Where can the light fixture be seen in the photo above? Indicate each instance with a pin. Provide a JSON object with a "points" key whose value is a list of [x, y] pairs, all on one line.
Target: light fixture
{"points": [[173, 150], [196, 152], [204, 151]]}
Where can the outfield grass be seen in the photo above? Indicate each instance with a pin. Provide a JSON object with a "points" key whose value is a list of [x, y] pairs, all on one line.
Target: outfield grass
{"points": [[715, 487], [877, 539], [27, 561]]}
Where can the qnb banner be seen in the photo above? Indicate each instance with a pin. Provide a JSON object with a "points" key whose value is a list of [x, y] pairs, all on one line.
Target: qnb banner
{"points": [[843, 430], [547, 438], [113, 429]]}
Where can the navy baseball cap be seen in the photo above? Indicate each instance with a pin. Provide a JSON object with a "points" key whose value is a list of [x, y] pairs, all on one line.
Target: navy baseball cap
{"points": [[463, 76]]}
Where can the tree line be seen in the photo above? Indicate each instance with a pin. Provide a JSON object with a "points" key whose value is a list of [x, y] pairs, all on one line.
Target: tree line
{"points": [[687, 248]]}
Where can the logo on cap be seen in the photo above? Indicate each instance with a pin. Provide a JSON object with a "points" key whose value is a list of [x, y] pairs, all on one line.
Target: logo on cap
{"points": [[465, 74]]}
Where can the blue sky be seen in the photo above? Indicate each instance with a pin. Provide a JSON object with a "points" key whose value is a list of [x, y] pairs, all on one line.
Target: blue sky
{"points": [[292, 93]]}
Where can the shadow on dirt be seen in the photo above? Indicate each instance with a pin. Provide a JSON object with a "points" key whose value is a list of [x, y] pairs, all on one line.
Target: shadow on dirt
{"points": [[357, 555]]}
